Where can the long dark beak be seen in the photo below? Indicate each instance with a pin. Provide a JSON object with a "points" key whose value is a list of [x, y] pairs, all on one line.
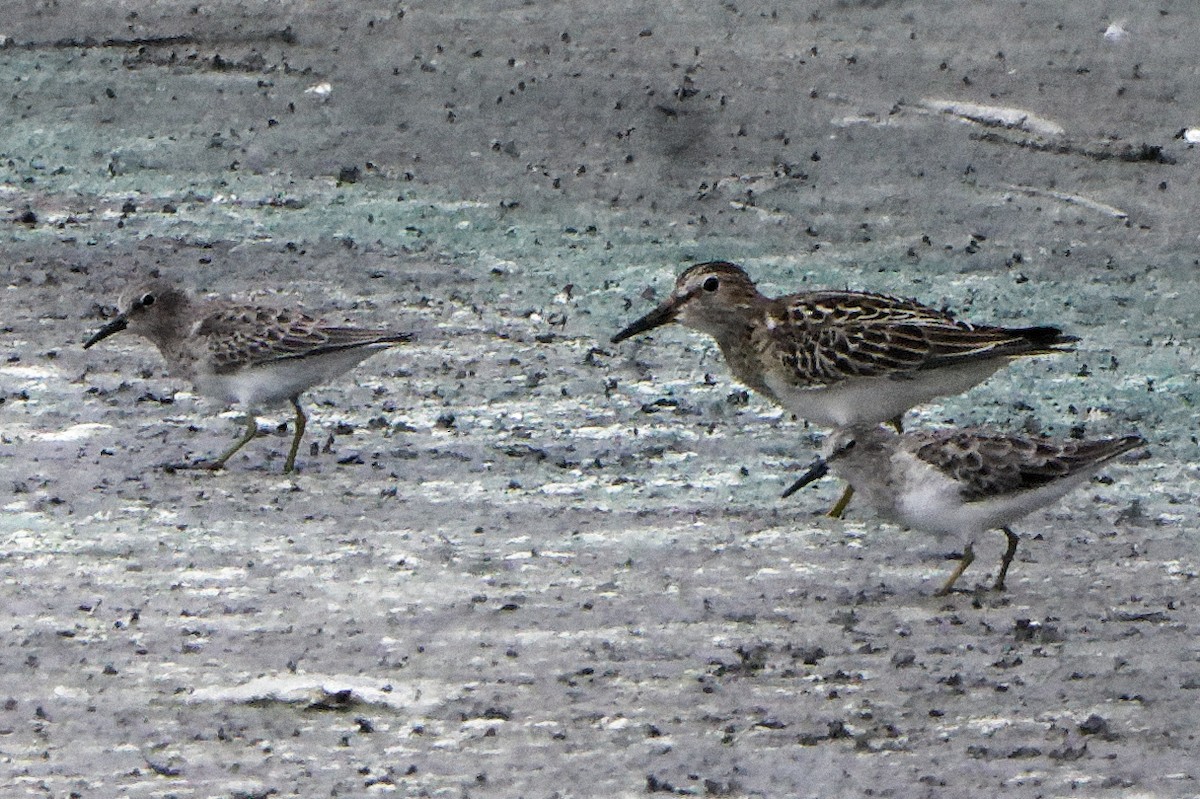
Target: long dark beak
{"points": [[815, 472], [115, 326], [659, 316]]}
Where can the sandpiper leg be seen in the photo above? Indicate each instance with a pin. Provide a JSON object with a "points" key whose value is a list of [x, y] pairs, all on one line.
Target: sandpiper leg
{"points": [[1007, 560], [968, 557], [839, 507], [218, 463], [301, 422]]}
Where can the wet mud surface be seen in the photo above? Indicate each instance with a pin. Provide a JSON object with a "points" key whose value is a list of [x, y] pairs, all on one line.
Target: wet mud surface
{"points": [[517, 560]]}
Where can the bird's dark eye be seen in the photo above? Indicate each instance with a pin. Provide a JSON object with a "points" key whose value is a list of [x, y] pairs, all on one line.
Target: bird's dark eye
{"points": [[711, 284], [146, 301]]}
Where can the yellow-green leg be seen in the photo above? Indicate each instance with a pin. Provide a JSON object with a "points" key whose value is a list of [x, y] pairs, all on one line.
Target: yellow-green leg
{"points": [[301, 423], [839, 507], [247, 437], [1007, 560], [968, 557]]}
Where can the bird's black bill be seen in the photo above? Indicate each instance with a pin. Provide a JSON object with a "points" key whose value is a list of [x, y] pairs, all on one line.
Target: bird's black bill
{"points": [[659, 316], [115, 326], [814, 473]]}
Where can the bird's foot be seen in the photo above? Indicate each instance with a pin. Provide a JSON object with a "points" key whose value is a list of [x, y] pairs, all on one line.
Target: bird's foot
{"points": [[207, 466]]}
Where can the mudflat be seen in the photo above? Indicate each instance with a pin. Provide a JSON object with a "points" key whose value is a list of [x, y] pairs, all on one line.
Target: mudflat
{"points": [[517, 560]]}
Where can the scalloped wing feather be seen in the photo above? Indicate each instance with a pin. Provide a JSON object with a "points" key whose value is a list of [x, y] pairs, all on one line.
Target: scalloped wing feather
{"points": [[825, 337], [987, 466], [239, 336]]}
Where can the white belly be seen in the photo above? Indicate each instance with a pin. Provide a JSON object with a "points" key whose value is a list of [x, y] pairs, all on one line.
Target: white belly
{"points": [[935, 505], [274, 383], [873, 400]]}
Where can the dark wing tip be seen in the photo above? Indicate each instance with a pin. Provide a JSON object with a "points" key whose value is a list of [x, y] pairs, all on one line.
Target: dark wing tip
{"points": [[1046, 337], [1130, 442], [365, 337], [1106, 449]]}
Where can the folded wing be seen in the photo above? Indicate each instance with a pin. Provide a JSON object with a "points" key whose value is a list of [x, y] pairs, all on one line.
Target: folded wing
{"points": [[831, 336], [240, 336]]}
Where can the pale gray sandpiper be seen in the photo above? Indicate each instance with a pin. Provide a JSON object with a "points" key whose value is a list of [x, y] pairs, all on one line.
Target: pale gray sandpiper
{"points": [[251, 355], [840, 358], [962, 482]]}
